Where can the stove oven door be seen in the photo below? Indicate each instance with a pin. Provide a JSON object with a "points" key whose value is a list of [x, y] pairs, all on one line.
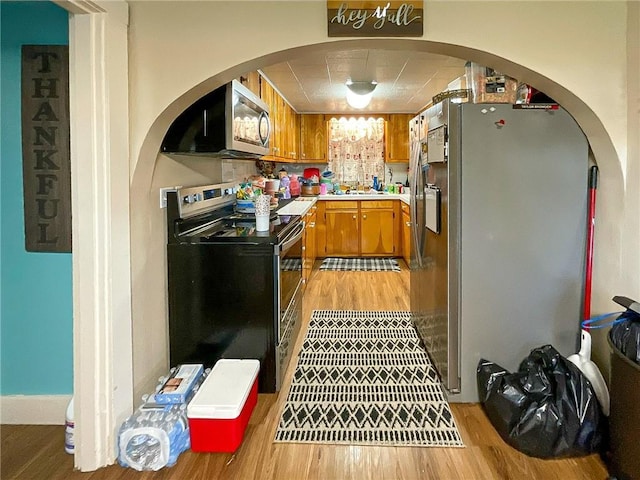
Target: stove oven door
{"points": [[289, 265]]}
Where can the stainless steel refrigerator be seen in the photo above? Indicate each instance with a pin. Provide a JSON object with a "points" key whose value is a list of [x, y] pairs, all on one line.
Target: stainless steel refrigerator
{"points": [[499, 207]]}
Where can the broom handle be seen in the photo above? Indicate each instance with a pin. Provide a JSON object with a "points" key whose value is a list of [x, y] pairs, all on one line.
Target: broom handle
{"points": [[593, 185]]}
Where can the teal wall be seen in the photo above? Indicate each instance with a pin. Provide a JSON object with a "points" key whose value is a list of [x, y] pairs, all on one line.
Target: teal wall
{"points": [[36, 325]]}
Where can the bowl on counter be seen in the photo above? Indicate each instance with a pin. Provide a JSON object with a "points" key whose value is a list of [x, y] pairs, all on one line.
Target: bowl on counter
{"points": [[245, 206]]}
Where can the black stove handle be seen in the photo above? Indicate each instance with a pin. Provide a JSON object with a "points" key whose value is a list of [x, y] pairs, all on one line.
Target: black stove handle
{"points": [[293, 238]]}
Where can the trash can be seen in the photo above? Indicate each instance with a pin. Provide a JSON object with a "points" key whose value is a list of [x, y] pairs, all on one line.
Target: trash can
{"points": [[625, 416]]}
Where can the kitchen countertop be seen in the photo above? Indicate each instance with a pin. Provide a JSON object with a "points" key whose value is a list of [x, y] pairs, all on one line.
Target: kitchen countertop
{"points": [[301, 205]]}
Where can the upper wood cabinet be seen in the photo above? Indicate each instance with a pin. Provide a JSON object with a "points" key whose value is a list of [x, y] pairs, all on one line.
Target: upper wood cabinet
{"points": [[267, 94], [252, 81], [397, 138], [313, 138], [285, 130]]}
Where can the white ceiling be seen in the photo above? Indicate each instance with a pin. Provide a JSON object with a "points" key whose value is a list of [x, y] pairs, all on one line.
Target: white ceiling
{"points": [[406, 80]]}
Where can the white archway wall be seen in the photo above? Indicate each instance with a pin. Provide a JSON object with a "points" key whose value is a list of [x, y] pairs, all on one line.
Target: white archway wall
{"points": [[581, 47]]}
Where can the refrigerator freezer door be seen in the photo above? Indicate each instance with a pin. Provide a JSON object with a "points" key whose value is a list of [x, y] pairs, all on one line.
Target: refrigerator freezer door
{"points": [[522, 240]]}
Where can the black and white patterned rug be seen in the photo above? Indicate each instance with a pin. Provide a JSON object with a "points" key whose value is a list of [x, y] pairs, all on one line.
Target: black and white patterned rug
{"points": [[360, 264], [363, 378]]}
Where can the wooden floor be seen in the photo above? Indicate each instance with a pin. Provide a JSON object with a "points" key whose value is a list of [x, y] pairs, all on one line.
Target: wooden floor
{"points": [[36, 452]]}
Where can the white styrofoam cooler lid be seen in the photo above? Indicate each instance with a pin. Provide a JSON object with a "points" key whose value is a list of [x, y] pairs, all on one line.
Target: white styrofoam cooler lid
{"points": [[225, 390]]}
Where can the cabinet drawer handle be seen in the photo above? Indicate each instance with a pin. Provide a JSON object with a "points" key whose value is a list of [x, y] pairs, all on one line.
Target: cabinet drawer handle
{"points": [[364, 216], [354, 217], [408, 224]]}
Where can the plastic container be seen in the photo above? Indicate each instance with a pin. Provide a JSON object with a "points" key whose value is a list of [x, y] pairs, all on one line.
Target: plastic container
{"points": [[69, 427], [624, 417], [312, 172], [294, 186], [179, 386], [153, 437], [489, 86], [220, 411]]}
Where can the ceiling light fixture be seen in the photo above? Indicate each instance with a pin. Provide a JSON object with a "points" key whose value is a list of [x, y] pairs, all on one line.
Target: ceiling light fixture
{"points": [[359, 93]]}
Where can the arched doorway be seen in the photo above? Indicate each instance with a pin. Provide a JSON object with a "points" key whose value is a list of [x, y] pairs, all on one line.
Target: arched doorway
{"points": [[145, 181]]}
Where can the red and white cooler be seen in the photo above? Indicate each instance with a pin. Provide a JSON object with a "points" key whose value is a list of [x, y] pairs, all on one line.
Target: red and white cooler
{"points": [[220, 410]]}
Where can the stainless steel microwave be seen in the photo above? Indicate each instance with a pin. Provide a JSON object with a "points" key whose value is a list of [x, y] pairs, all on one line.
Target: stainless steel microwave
{"points": [[230, 122]]}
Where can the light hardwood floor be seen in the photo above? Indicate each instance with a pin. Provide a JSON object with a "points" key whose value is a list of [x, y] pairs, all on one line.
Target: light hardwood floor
{"points": [[36, 452]]}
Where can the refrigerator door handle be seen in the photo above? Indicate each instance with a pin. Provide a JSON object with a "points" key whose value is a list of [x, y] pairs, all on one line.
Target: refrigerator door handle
{"points": [[415, 224]]}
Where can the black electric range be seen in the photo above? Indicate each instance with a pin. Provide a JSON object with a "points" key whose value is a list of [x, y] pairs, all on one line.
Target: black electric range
{"points": [[233, 292]]}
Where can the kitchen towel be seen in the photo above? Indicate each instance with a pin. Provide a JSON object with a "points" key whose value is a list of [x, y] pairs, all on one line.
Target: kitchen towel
{"points": [[360, 264], [364, 378]]}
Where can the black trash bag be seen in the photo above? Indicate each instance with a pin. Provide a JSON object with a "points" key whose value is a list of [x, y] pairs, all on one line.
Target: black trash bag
{"points": [[546, 409], [625, 335]]}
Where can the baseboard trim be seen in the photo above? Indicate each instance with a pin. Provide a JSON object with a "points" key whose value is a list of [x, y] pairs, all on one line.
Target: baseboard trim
{"points": [[33, 409]]}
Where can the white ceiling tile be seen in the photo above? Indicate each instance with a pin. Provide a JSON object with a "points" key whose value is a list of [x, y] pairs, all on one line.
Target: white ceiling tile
{"points": [[407, 80]]}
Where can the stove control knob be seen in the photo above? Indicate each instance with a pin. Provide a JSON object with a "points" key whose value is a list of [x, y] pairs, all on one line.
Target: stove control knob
{"points": [[189, 199]]}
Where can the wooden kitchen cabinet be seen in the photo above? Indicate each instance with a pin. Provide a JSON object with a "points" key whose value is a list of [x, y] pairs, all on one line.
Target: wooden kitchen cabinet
{"points": [[342, 228], [252, 81], [313, 138], [397, 138], [353, 228], [309, 254], [285, 130], [377, 228], [290, 133], [268, 95], [406, 233]]}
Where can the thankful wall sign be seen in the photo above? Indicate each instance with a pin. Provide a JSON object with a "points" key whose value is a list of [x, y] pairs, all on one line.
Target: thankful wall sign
{"points": [[375, 19], [45, 148]]}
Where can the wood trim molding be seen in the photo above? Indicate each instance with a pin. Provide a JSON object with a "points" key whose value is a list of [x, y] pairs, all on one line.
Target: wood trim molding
{"points": [[79, 7], [33, 409], [103, 366]]}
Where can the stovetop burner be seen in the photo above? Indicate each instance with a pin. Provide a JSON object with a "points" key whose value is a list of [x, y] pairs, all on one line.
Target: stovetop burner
{"points": [[214, 220], [240, 227]]}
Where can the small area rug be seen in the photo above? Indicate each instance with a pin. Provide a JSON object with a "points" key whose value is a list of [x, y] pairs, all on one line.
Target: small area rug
{"points": [[360, 264], [364, 378]]}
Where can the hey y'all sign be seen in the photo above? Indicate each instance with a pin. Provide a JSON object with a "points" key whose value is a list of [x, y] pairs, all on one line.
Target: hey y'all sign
{"points": [[375, 19]]}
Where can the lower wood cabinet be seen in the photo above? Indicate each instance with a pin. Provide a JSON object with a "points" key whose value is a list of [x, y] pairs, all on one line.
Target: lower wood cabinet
{"points": [[342, 228], [309, 244], [353, 228], [377, 232], [406, 233]]}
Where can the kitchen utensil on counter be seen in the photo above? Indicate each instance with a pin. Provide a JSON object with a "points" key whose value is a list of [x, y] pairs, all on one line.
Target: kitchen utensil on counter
{"points": [[306, 191]]}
